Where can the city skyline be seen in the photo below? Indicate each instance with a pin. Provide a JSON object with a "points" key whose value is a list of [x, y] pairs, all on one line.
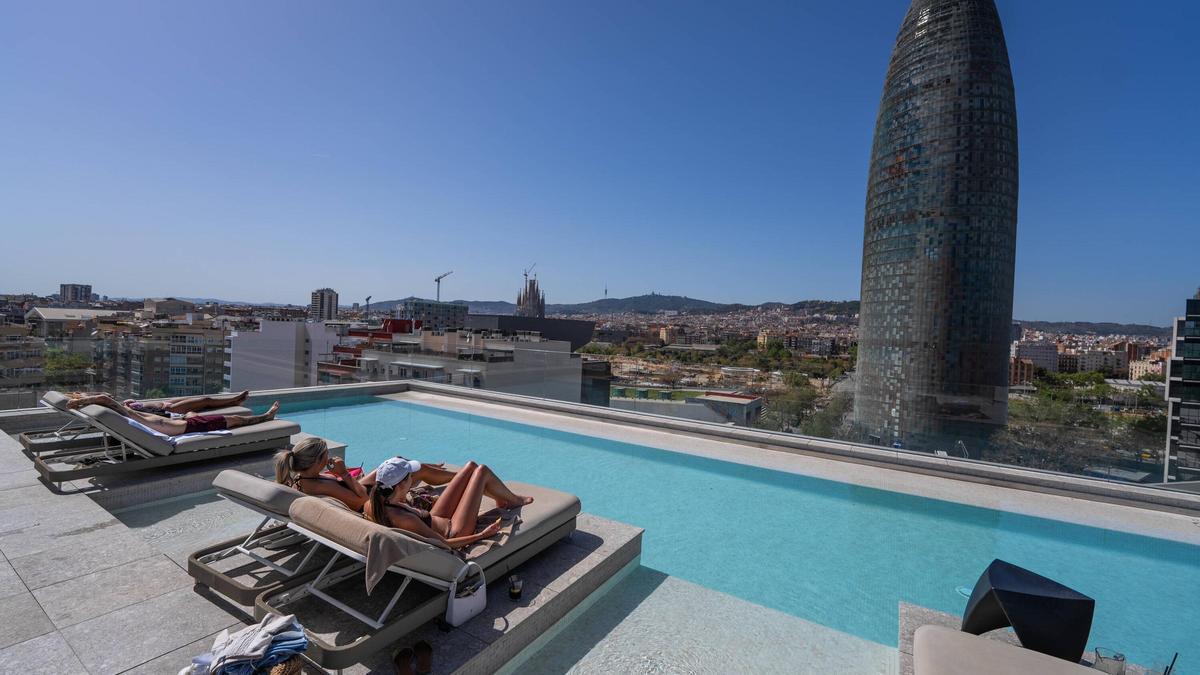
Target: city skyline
{"points": [[496, 125]]}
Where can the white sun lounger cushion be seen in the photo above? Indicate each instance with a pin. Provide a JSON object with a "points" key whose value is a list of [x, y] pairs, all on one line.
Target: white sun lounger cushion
{"points": [[938, 650]]}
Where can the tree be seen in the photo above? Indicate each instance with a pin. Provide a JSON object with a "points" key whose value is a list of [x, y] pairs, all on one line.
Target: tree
{"points": [[827, 422]]}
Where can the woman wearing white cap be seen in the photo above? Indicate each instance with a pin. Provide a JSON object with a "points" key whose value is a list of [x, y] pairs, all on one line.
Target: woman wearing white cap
{"points": [[455, 513]]}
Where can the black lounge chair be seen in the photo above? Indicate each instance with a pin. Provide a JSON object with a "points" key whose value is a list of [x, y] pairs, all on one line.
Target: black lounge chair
{"points": [[1047, 616]]}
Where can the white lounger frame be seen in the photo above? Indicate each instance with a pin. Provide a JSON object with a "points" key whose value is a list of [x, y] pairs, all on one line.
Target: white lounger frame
{"points": [[256, 538], [325, 579]]}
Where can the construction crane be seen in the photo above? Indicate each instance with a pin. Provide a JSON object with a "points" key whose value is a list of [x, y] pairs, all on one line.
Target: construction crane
{"points": [[368, 313], [438, 280], [528, 270]]}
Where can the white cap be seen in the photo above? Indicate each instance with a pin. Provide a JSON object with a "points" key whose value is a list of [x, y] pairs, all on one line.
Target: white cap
{"points": [[394, 470]]}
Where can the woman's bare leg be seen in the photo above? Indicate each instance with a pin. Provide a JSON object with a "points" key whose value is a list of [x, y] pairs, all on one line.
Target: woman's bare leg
{"points": [[445, 505], [494, 488], [466, 513], [235, 421]]}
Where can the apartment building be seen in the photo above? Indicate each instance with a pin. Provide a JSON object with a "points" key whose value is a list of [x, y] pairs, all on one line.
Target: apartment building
{"points": [[1044, 355], [161, 308], [1104, 361], [75, 294], [1142, 368], [1020, 372], [163, 358], [522, 363], [1183, 389], [432, 315], [277, 354], [22, 363], [323, 305]]}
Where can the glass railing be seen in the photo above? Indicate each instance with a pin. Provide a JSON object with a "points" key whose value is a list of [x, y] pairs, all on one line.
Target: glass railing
{"points": [[1078, 424]]}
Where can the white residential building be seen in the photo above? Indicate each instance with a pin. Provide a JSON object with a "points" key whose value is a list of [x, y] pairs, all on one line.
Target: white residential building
{"points": [[1141, 368], [1043, 354], [279, 355], [1099, 360]]}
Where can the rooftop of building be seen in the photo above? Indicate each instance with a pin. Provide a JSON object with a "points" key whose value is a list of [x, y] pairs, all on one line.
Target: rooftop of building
{"points": [[123, 546], [69, 313]]}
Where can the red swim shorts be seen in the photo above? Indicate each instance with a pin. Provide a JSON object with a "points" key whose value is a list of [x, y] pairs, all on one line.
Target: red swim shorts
{"points": [[201, 423]]}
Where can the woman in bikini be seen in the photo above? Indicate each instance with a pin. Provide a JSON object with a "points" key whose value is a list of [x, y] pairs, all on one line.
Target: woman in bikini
{"points": [[309, 468], [454, 515], [189, 424], [182, 406]]}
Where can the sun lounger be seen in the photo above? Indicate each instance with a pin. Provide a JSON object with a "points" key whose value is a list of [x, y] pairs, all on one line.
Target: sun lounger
{"points": [[365, 623], [79, 430], [138, 450], [938, 650], [275, 552]]}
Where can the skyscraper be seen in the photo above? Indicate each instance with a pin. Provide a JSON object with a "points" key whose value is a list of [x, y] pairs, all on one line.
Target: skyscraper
{"points": [[323, 305], [1183, 395], [940, 235]]}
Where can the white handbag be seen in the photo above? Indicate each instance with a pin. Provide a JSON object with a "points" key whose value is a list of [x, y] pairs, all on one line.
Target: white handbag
{"points": [[466, 599]]}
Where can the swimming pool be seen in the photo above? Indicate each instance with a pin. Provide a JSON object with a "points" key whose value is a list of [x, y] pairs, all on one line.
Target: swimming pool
{"points": [[838, 554]]}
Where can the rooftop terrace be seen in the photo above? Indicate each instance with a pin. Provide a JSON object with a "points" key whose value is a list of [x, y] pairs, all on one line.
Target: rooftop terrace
{"points": [[84, 570]]}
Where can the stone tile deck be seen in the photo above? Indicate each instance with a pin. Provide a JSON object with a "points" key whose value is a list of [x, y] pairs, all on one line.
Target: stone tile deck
{"points": [[94, 580]]}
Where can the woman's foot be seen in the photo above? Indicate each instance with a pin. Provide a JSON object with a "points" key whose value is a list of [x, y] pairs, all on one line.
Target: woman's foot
{"points": [[520, 501], [403, 661], [242, 396], [424, 652], [270, 414]]}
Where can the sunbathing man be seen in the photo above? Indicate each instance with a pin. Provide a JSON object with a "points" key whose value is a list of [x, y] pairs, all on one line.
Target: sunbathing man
{"points": [[309, 468], [183, 405], [454, 515], [190, 424]]}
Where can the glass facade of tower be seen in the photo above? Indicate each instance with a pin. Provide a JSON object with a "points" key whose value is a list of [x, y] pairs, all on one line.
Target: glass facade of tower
{"points": [[940, 235]]}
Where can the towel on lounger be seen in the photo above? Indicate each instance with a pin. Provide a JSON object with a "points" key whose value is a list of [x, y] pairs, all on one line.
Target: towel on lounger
{"points": [[173, 440]]}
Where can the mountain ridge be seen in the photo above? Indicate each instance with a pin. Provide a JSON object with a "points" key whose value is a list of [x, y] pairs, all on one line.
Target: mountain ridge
{"points": [[652, 303]]}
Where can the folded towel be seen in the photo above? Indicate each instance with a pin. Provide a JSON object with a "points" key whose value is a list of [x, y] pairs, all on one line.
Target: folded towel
{"points": [[175, 439]]}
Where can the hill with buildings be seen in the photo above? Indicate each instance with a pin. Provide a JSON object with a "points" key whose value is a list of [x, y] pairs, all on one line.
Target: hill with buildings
{"points": [[651, 303], [1092, 328]]}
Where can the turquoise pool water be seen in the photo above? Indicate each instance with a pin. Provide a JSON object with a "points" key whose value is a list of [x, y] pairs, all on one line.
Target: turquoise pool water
{"points": [[838, 554]]}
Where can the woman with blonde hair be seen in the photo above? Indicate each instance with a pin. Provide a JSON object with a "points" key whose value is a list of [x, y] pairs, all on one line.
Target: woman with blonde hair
{"points": [[303, 467]]}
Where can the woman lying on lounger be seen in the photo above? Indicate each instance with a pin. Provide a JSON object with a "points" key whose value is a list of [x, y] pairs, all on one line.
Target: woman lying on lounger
{"points": [[183, 405], [309, 468], [190, 424], [454, 515]]}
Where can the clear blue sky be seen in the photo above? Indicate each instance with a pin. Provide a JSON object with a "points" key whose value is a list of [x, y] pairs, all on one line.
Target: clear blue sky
{"points": [[258, 150]]}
